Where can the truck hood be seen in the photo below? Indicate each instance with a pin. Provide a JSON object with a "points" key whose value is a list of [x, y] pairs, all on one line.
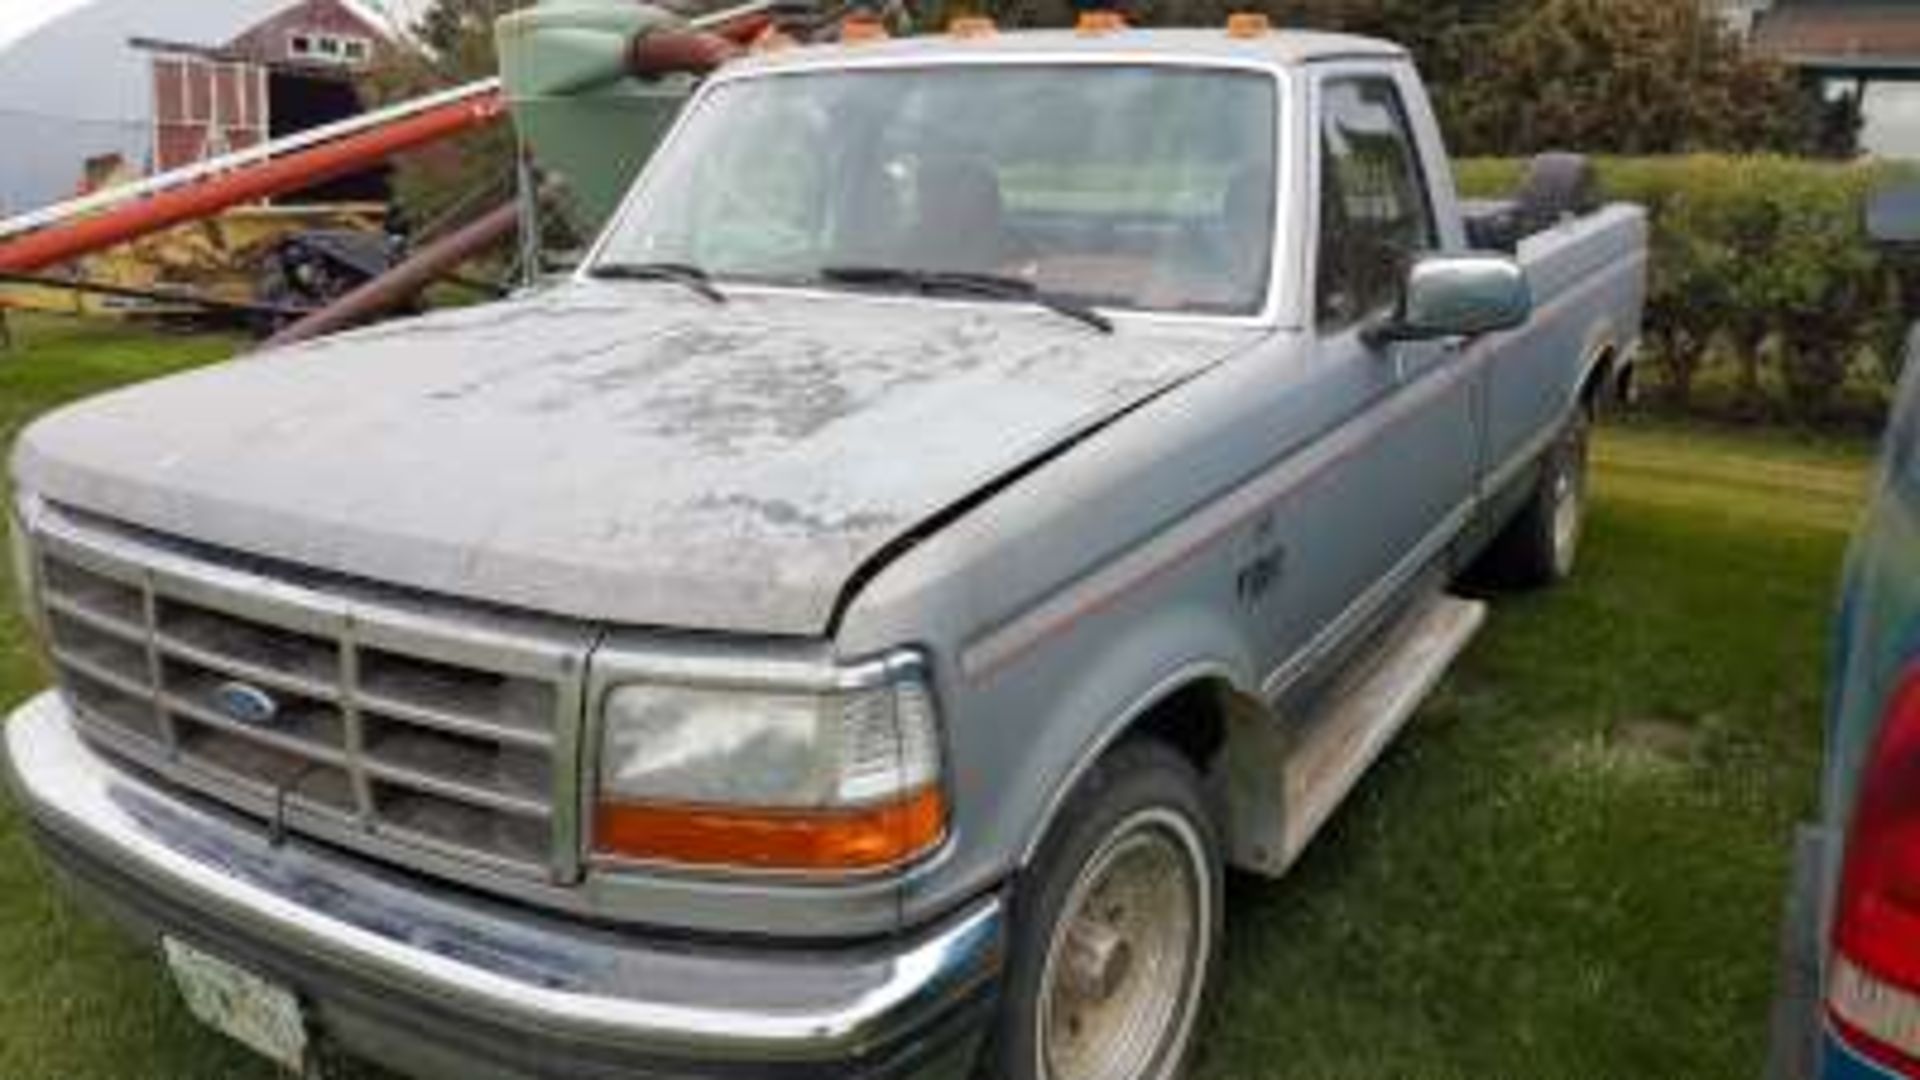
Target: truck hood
{"points": [[623, 453]]}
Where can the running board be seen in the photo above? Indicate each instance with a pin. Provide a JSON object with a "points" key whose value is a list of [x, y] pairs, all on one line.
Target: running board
{"points": [[1366, 709]]}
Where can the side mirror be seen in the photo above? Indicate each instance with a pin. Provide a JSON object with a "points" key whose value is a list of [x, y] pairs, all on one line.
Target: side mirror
{"points": [[1893, 216], [1457, 296]]}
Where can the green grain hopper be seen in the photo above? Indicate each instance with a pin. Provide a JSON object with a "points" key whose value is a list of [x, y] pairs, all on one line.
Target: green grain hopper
{"points": [[564, 66]]}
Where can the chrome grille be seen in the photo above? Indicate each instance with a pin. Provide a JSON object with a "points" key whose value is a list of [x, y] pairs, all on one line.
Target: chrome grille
{"points": [[410, 729]]}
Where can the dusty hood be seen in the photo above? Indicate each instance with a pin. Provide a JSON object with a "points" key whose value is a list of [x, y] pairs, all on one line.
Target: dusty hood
{"points": [[622, 452]]}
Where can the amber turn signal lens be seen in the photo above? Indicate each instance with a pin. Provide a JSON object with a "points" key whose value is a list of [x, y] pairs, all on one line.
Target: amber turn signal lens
{"points": [[869, 838]]}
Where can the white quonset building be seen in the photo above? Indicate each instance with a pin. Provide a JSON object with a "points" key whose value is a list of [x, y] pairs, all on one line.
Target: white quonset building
{"points": [[161, 83]]}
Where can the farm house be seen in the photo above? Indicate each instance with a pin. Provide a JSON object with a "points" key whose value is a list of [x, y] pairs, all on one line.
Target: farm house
{"points": [[1867, 50]]}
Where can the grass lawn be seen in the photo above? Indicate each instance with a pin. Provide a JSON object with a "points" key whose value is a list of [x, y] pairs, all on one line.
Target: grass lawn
{"points": [[1569, 868]]}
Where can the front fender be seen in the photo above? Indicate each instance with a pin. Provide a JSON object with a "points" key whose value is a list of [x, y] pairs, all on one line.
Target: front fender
{"points": [[1023, 735], [1115, 673]]}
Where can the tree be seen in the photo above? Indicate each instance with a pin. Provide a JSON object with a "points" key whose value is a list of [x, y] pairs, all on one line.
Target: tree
{"points": [[452, 43], [1628, 77], [461, 31]]}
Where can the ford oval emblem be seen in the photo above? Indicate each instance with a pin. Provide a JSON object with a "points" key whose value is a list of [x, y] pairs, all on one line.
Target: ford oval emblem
{"points": [[246, 703]]}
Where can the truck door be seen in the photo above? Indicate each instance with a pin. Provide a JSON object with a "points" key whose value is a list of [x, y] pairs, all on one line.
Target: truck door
{"points": [[1402, 415]]}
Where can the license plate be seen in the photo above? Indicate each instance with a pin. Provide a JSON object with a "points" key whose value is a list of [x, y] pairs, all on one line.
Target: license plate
{"points": [[228, 998]]}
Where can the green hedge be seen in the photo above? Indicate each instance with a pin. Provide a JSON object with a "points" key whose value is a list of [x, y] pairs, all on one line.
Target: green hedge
{"points": [[1766, 301]]}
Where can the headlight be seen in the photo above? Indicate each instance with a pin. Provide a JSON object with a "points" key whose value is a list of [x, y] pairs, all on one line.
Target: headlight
{"points": [[21, 561], [843, 779]]}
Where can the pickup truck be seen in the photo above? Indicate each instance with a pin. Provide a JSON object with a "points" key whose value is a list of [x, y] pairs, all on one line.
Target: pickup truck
{"points": [[978, 488]]}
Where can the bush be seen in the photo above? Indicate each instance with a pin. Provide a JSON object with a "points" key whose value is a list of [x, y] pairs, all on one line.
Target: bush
{"points": [[1766, 301]]}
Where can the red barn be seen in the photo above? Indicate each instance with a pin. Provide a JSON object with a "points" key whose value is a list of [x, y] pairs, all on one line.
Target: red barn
{"points": [[288, 73]]}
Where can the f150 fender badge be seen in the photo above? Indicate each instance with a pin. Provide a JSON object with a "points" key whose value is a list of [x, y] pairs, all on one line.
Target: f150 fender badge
{"points": [[1263, 564], [246, 704]]}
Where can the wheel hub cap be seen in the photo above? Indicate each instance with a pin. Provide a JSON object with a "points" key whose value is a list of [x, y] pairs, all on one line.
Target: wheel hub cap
{"points": [[1098, 961], [1566, 518], [1122, 969]]}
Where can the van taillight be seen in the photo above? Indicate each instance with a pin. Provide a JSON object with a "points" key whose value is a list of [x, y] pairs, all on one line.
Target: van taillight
{"points": [[1873, 987]]}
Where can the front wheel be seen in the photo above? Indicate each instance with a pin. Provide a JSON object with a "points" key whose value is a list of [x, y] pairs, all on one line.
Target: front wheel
{"points": [[1117, 930]]}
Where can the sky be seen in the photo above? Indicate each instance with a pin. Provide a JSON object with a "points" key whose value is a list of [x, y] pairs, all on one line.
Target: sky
{"points": [[21, 17]]}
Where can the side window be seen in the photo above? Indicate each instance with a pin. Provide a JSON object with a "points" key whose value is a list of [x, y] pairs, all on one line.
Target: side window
{"points": [[1374, 214]]}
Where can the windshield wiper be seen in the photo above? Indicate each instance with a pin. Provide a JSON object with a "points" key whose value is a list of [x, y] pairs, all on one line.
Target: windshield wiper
{"points": [[693, 277], [999, 286]]}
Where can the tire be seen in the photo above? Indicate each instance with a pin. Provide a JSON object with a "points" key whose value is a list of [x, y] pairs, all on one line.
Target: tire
{"points": [[1126, 888], [1539, 547]]}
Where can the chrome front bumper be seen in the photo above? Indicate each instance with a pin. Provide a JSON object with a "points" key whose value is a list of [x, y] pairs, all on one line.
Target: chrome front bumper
{"points": [[438, 981]]}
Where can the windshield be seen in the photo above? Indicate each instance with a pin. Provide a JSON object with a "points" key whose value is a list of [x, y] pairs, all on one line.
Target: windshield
{"points": [[1128, 186]]}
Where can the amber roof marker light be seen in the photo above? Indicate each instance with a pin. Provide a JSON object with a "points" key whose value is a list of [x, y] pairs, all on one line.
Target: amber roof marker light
{"points": [[862, 27], [772, 39], [1248, 24], [971, 27], [1100, 21]]}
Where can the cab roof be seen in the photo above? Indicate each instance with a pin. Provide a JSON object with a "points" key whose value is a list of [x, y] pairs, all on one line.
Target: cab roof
{"points": [[1277, 48]]}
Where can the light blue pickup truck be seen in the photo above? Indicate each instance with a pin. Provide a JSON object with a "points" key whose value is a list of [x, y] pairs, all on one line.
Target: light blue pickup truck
{"points": [[978, 489]]}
